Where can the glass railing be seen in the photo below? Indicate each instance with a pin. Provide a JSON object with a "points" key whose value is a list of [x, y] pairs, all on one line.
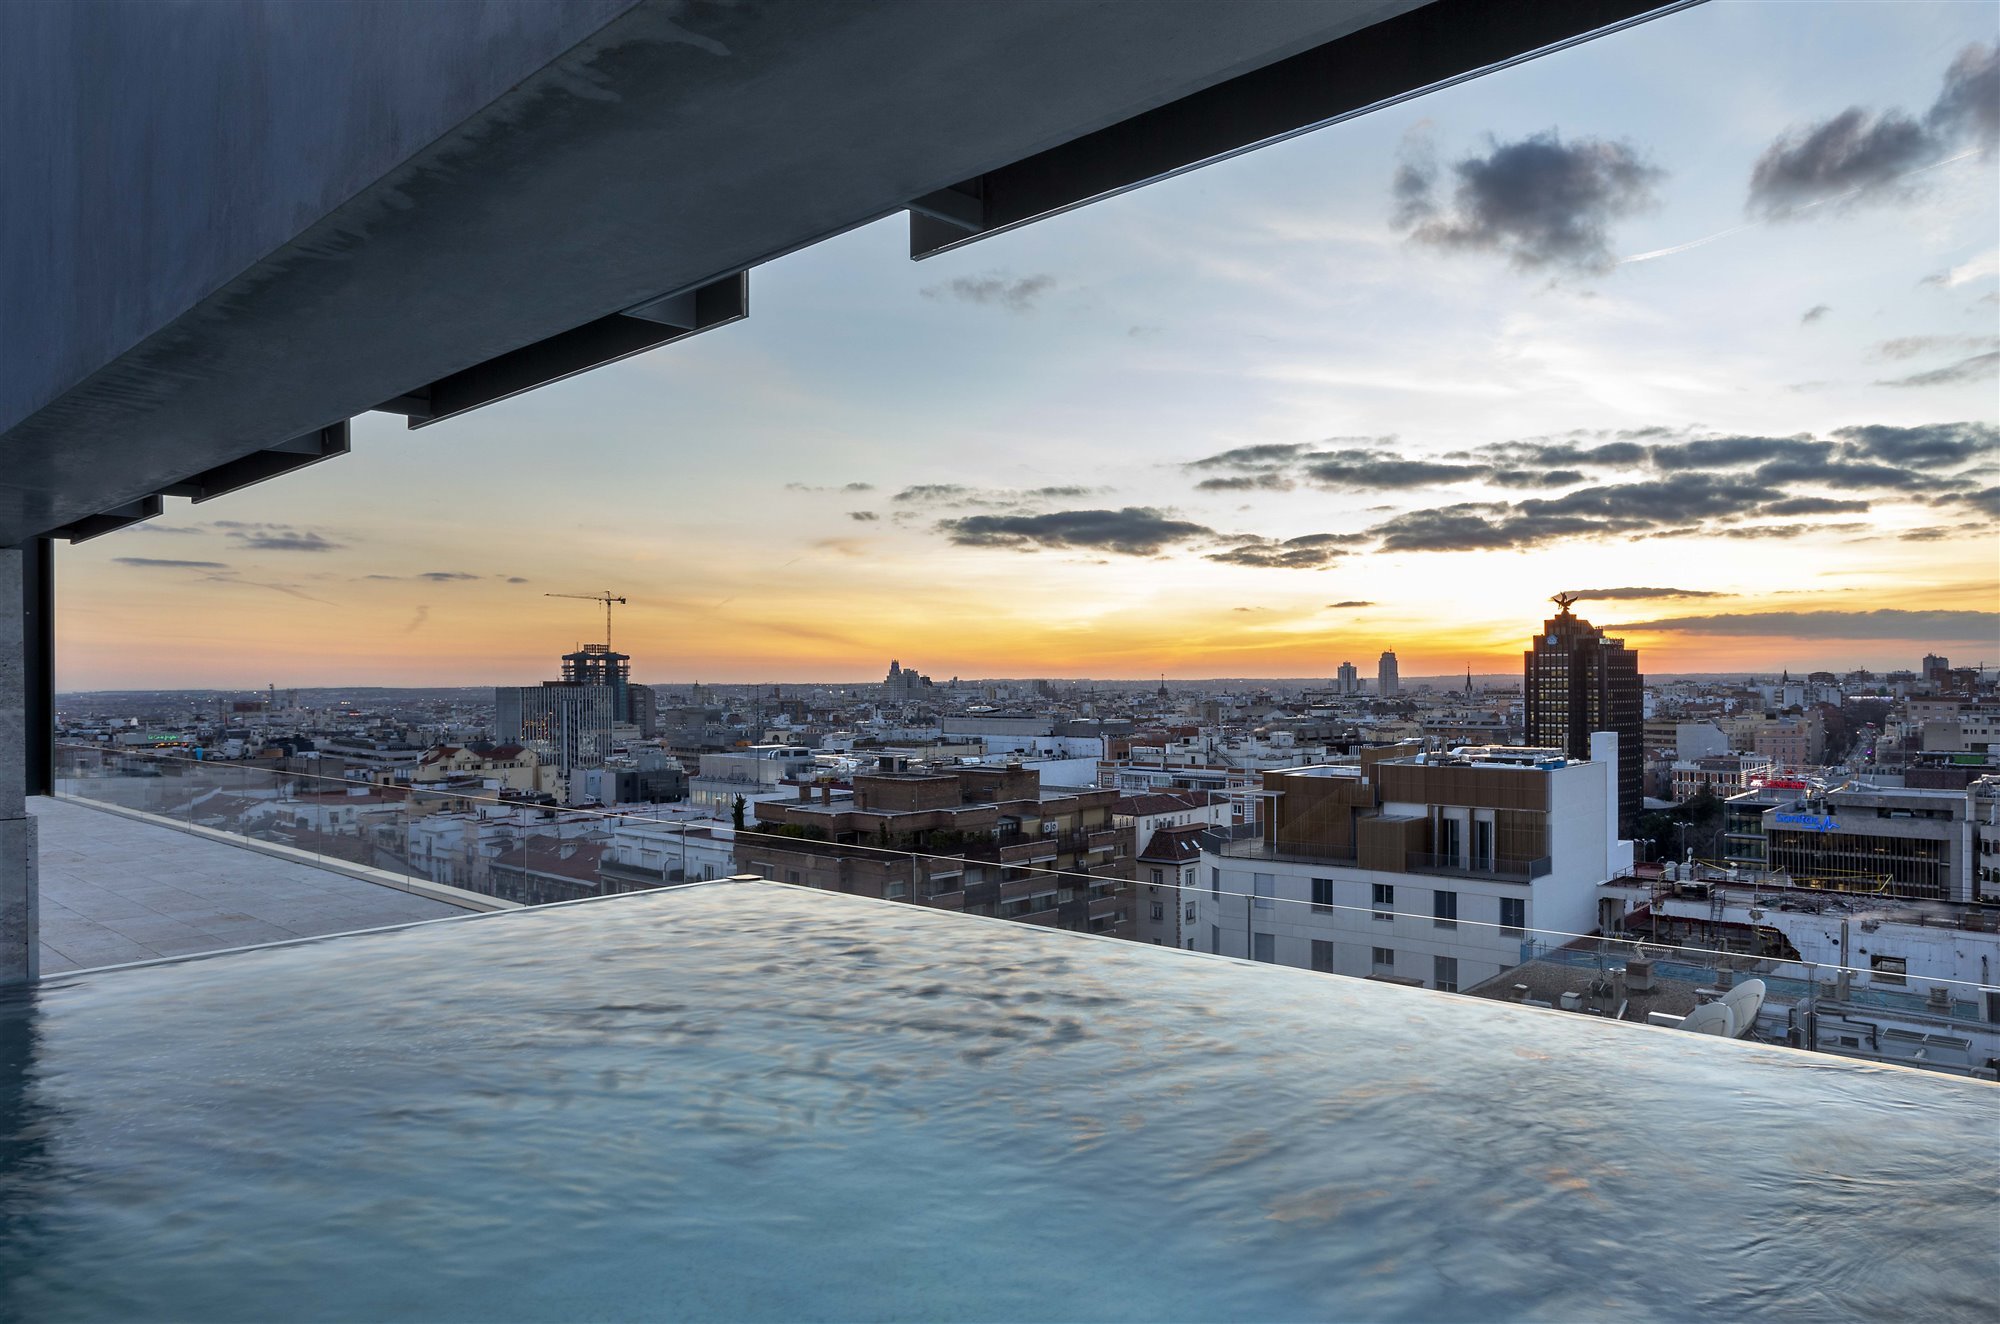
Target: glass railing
{"points": [[516, 850]]}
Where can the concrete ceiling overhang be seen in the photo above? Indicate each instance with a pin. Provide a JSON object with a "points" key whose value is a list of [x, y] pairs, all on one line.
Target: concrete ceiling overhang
{"points": [[610, 197]]}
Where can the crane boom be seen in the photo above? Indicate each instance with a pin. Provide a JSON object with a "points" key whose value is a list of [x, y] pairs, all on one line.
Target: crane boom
{"points": [[606, 598]]}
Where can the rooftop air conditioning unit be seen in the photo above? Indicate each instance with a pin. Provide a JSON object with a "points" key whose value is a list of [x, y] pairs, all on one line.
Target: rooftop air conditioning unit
{"points": [[1572, 1002], [1639, 975]]}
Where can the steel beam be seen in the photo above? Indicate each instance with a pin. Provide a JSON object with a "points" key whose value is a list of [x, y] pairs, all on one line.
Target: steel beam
{"points": [[109, 521], [327, 442], [1442, 43], [645, 326], [38, 666]]}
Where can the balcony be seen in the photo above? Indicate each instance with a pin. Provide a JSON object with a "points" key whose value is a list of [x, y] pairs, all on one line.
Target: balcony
{"points": [[1501, 870], [1256, 848]]}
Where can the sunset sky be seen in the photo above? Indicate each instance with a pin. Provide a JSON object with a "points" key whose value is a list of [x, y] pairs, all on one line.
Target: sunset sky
{"points": [[1706, 309]]}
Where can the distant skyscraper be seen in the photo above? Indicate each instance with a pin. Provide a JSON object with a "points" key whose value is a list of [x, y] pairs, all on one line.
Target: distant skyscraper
{"points": [[1577, 681], [1387, 682], [1349, 681], [596, 664], [568, 724], [1937, 669]]}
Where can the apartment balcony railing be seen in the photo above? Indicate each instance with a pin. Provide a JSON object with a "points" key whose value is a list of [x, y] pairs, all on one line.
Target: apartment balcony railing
{"points": [[1256, 848], [1501, 869]]}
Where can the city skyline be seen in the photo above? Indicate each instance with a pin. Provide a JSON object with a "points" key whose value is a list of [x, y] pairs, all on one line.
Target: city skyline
{"points": [[1247, 422]]}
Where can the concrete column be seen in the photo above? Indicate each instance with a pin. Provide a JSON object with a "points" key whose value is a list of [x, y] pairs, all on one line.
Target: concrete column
{"points": [[20, 920]]}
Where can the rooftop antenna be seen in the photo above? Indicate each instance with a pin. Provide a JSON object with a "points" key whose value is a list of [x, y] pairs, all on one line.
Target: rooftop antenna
{"points": [[1712, 1018], [1744, 1000], [606, 598]]}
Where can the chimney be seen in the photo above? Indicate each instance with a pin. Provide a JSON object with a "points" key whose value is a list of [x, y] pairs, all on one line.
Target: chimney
{"points": [[826, 793], [805, 793]]}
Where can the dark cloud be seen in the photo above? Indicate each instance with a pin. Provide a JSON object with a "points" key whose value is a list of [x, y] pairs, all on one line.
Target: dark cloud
{"points": [[1976, 368], [1564, 454], [445, 576], [857, 487], [1968, 107], [1352, 602], [1305, 553], [1732, 452], [157, 563], [275, 537], [287, 542], [1814, 313], [1132, 531], [1542, 202], [416, 622], [1986, 500], [1636, 594], [1270, 482], [1363, 470], [1267, 456], [1812, 506], [1908, 347], [817, 487], [168, 528], [1847, 475], [516, 579], [1886, 623], [1017, 294], [865, 516], [933, 492], [1535, 477], [1860, 155], [990, 498]]}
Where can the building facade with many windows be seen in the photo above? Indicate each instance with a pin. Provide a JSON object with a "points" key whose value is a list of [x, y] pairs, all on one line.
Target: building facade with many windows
{"points": [[1424, 868], [1577, 682]]}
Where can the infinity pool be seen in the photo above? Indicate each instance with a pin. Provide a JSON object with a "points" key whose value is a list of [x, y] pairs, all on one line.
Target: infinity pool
{"points": [[748, 1102]]}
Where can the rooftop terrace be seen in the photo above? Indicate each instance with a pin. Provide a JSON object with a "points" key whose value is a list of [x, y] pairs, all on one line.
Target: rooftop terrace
{"points": [[747, 1101]]}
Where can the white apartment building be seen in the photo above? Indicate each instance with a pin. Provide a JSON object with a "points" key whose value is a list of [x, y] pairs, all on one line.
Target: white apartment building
{"points": [[1428, 869], [755, 773]]}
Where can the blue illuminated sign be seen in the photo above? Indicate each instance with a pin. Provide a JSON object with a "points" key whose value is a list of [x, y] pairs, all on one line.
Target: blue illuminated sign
{"points": [[1817, 822]]}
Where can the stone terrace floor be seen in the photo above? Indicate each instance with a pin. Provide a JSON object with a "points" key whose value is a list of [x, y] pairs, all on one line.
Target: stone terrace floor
{"points": [[114, 890]]}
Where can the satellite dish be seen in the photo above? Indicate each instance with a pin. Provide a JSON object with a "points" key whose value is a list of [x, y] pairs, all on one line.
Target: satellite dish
{"points": [[1712, 1018], [1743, 1002]]}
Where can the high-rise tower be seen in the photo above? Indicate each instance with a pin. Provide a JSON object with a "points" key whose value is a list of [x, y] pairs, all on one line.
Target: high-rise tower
{"points": [[1387, 682], [1576, 681]]}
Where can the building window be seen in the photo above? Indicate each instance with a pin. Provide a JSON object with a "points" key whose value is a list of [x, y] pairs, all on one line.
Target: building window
{"points": [[897, 891], [1265, 886], [791, 875], [1215, 939], [1159, 911], [1444, 970], [1889, 969], [1444, 909], [1447, 841], [1190, 945], [1264, 948], [1513, 916], [1322, 894], [1215, 882], [1190, 910], [1385, 902], [1156, 877], [1322, 956], [1384, 959]]}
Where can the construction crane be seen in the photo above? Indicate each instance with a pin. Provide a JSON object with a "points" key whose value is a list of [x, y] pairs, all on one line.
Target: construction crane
{"points": [[606, 598]]}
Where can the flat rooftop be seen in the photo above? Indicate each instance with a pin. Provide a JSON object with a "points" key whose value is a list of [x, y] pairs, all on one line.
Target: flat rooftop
{"points": [[116, 890], [747, 1101]]}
